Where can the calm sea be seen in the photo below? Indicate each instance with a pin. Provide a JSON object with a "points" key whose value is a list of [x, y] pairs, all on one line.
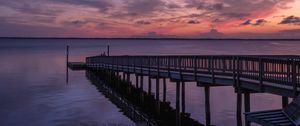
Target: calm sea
{"points": [[34, 92]]}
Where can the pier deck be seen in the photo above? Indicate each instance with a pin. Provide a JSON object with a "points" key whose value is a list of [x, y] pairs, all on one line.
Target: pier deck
{"points": [[272, 74]]}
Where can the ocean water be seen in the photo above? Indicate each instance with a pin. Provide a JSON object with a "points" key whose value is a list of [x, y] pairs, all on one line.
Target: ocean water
{"points": [[34, 92]]}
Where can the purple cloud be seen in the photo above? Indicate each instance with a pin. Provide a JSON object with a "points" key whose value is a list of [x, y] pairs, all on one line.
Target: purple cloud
{"points": [[143, 22], [291, 20], [193, 22], [248, 22]]}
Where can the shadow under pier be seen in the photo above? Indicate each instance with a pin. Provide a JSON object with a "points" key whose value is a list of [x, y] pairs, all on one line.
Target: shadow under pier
{"points": [[140, 106]]}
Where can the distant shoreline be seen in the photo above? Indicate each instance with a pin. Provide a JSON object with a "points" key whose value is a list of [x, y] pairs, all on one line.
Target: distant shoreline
{"points": [[221, 39]]}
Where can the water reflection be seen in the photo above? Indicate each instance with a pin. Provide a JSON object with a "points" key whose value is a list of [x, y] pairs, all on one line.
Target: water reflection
{"points": [[136, 103]]}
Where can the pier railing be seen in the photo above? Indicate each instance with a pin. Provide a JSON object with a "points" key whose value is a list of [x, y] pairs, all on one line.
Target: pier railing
{"points": [[283, 70]]}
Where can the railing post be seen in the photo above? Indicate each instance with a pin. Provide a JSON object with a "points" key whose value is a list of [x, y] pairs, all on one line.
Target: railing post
{"points": [[169, 72], [195, 68], [158, 66], [141, 60], [164, 89], [128, 64], [212, 69], [134, 64], [180, 70], [294, 78], [261, 73], [238, 73], [234, 71], [149, 66]]}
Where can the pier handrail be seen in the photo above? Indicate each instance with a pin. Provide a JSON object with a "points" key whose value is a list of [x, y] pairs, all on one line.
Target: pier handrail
{"points": [[279, 69]]}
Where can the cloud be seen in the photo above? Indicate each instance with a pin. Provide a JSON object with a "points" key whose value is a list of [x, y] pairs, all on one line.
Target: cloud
{"points": [[248, 22], [143, 7], [143, 22], [213, 33], [102, 5], [208, 6], [237, 8], [76, 23], [20, 30], [193, 22], [260, 22], [291, 20], [173, 6], [31, 7]]}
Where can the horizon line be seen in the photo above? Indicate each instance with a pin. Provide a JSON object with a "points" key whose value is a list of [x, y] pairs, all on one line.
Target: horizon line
{"points": [[155, 38]]}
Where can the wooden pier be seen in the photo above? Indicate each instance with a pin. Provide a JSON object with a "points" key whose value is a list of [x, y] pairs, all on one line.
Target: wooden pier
{"points": [[247, 74]]}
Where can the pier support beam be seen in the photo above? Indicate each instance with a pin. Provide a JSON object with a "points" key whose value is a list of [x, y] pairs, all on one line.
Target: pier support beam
{"points": [[128, 77], [207, 105], [285, 101], [157, 89], [247, 105], [67, 64], [124, 76], [164, 89], [178, 118], [239, 108], [136, 81], [183, 97], [142, 88], [149, 85], [142, 83]]}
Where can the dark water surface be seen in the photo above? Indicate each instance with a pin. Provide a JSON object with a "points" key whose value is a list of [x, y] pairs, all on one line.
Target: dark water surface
{"points": [[34, 92]]}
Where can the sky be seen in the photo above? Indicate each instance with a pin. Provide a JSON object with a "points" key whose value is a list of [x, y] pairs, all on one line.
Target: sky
{"points": [[150, 18]]}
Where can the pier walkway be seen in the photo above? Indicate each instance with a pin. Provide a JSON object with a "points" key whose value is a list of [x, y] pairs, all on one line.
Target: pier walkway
{"points": [[272, 74]]}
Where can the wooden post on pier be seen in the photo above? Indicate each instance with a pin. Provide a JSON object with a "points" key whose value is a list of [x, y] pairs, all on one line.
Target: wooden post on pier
{"points": [[124, 76], [128, 77], [142, 82], [67, 62], [207, 105], [178, 118], [239, 108], [247, 105], [285, 101], [157, 94], [142, 88], [164, 89], [108, 50], [67, 53], [157, 89], [149, 85], [136, 81], [183, 97]]}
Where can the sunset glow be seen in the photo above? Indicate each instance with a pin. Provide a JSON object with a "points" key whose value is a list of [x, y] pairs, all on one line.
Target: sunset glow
{"points": [[150, 18]]}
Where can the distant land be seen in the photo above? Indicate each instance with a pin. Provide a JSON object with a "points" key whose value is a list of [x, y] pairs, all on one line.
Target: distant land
{"points": [[234, 39]]}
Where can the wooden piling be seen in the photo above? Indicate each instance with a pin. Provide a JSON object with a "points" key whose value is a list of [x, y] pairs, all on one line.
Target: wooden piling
{"points": [[128, 77], [164, 89], [149, 85], [247, 105], [142, 82], [108, 50], [136, 81], [178, 117], [207, 105], [183, 97], [239, 108], [124, 76], [285, 101], [67, 64], [157, 89], [67, 55]]}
